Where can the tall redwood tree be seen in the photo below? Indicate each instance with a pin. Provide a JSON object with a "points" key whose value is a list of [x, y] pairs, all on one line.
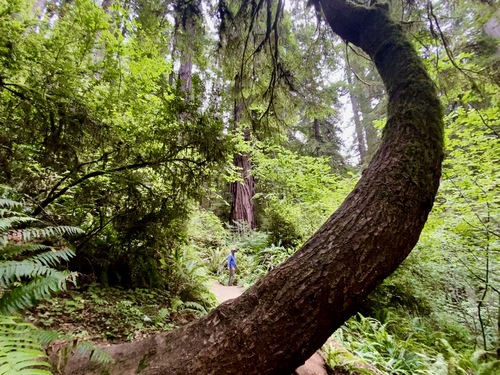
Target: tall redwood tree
{"points": [[277, 324], [242, 191]]}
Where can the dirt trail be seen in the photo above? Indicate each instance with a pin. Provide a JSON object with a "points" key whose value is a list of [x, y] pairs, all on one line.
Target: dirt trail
{"points": [[224, 292], [313, 366]]}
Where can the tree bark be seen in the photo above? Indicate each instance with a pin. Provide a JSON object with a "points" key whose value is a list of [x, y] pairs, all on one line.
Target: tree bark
{"points": [[187, 13], [242, 192], [279, 322]]}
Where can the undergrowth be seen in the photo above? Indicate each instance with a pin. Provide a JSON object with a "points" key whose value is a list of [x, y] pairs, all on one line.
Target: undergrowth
{"points": [[112, 314], [364, 345]]}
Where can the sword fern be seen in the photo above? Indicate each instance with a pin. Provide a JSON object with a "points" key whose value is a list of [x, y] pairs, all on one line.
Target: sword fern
{"points": [[28, 274], [27, 267]]}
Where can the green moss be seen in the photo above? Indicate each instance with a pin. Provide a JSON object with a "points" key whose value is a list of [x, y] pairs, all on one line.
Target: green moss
{"points": [[143, 364]]}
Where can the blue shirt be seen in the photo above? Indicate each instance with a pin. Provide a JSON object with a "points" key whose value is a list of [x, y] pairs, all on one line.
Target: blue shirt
{"points": [[231, 261]]}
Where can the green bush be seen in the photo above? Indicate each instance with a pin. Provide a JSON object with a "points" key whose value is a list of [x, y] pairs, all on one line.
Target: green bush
{"points": [[284, 223]]}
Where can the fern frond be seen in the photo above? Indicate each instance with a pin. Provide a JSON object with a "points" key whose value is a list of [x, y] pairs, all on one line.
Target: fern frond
{"points": [[11, 250], [53, 258], [4, 212], [29, 234], [9, 203], [20, 351], [7, 223], [82, 347], [3, 239], [193, 307], [66, 230], [37, 289], [39, 265], [47, 337]]}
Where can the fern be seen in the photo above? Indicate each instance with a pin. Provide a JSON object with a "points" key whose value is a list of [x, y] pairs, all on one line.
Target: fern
{"points": [[20, 351], [38, 289], [10, 204], [32, 233], [8, 222], [35, 266], [52, 258], [69, 344], [27, 275], [15, 275], [194, 307], [11, 250], [95, 354]]}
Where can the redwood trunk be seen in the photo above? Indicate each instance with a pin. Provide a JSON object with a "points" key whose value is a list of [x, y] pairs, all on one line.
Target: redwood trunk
{"points": [[242, 208], [277, 324]]}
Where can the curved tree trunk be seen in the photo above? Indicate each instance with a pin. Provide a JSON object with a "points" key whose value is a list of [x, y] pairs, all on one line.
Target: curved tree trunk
{"points": [[277, 324]]}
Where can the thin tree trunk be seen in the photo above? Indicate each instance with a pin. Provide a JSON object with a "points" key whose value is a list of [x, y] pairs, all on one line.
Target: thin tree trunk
{"points": [[317, 136], [279, 322], [358, 125]]}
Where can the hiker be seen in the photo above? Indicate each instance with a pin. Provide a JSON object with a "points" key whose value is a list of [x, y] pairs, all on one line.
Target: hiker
{"points": [[231, 266]]}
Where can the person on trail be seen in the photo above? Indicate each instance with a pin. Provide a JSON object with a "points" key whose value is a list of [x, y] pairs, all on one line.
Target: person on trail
{"points": [[231, 266]]}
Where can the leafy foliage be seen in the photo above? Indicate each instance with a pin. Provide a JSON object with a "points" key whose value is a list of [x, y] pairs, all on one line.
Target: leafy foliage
{"points": [[25, 280], [401, 347], [21, 353], [296, 193], [30, 278], [93, 134], [188, 278]]}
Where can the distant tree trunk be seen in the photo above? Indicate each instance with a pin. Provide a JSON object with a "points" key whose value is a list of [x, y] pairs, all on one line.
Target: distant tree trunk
{"points": [[371, 136], [358, 125], [242, 207], [317, 136], [186, 66], [186, 14], [106, 4], [279, 322]]}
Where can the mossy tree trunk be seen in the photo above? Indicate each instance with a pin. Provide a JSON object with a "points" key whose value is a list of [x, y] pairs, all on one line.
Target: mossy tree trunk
{"points": [[277, 324]]}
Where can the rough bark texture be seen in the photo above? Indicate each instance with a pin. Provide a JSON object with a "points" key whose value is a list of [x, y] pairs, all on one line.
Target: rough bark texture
{"points": [[277, 324]]}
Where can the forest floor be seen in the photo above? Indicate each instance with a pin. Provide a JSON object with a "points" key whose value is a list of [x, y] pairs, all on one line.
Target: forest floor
{"points": [[113, 315]]}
